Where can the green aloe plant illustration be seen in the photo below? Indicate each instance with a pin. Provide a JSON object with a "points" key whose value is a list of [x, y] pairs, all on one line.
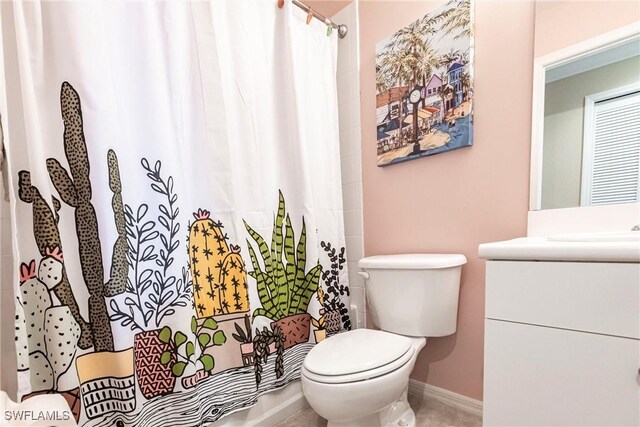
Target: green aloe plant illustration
{"points": [[284, 287]]}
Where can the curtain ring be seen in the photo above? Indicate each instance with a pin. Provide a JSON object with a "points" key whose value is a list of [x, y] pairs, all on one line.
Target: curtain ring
{"points": [[329, 24], [309, 15]]}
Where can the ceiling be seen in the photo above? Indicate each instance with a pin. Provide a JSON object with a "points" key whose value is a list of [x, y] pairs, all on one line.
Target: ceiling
{"points": [[327, 7]]}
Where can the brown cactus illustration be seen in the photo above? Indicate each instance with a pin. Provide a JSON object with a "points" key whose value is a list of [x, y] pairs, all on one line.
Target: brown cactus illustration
{"points": [[45, 230], [74, 189], [119, 266]]}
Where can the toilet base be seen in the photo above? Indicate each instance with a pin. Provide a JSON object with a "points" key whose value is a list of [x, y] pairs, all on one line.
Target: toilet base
{"points": [[399, 413]]}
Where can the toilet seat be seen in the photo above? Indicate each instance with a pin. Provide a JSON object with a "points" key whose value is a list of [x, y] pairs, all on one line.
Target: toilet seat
{"points": [[357, 355]]}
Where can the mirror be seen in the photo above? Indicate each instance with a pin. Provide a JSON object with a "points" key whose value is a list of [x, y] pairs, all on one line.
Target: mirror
{"points": [[591, 129], [586, 125]]}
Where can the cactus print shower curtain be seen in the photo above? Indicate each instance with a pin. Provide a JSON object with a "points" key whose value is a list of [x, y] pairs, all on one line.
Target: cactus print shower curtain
{"points": [[176, 202]]}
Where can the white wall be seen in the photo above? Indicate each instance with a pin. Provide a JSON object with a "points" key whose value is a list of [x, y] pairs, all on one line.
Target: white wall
{"points": [[349, 116], [8, 366], [8, 378]]}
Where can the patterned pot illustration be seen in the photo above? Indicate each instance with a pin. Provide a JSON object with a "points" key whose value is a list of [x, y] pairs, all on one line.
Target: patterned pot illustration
{"points": [[320, 334], [106, 382], [73, 399], [248, 353], [191, 380], [154, 378], [333, 322], [71, 396], [295, 328]]}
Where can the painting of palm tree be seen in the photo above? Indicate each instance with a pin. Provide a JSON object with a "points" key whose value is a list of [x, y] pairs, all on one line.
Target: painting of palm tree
{"points": [[424, 85]]}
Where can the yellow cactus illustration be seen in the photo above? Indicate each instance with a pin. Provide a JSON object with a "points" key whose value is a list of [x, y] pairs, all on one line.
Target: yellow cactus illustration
{"points": [[233, 279], [218, 274]]}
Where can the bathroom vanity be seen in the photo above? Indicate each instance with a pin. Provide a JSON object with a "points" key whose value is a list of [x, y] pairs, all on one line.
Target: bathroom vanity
{"points": [[562, 331], [562, 313]]}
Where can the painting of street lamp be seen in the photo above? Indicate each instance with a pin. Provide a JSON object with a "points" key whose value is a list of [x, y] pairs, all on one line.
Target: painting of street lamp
{"points": [[424, 84]]}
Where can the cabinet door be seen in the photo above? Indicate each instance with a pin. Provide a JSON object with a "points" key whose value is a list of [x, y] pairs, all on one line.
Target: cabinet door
{"points": [[566, 295], [554, 377]]}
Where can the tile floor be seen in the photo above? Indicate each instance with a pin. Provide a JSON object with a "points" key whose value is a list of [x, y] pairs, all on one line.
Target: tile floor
{"points": [[428, 413]]}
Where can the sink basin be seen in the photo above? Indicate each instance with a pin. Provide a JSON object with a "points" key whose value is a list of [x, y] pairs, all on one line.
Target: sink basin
{"points": [[613, 236]]}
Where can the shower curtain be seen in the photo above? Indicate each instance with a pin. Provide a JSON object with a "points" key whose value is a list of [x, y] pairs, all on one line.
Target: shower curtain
{"points": [[176, 202]]}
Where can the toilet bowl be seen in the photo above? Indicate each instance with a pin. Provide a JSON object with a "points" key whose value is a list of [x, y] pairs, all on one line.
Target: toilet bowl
{"points": [[360, 377], [364, 383]]}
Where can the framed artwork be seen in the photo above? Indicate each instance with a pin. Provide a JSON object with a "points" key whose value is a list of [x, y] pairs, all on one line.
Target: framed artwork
{"points": [[424, 85]]}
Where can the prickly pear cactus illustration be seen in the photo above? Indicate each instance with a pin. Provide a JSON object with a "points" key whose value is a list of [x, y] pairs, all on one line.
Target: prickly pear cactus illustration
{"points": [[217, 272], [35, 301], [22, 344], [41, 372], [61, 332], [51, 332], [47, 236], [50, 269], [74, 188]]}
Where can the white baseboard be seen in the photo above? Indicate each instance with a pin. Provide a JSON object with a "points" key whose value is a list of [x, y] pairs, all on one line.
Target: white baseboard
{"points": [[283, 411], [464, 403], [271, 408], [276, 406]]}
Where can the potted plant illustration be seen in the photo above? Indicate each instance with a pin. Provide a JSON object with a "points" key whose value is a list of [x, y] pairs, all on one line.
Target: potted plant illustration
{"points": [[265, 342], [320, 323], [181, 355], [154, 288], [245, 338], [336, 312], [320, 333], [284, 286], [74, 188]]}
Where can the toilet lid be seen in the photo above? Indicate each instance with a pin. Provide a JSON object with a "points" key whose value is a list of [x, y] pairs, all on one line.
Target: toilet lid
{"points": [[357, 351]]}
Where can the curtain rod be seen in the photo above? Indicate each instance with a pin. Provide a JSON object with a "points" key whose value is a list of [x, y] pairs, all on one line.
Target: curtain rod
{"points": [[342, 29]]}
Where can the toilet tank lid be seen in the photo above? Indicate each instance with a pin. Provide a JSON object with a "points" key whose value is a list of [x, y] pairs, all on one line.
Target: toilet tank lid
{"points": [[412, 261]]}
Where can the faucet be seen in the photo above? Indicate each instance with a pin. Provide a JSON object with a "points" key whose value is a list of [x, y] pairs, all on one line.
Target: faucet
{"points": [[635, 227]]}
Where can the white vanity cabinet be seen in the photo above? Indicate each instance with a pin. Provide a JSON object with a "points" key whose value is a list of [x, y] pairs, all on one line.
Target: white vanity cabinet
{"points": [[562, 342]]}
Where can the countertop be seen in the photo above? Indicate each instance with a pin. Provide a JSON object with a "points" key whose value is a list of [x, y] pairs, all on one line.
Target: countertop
{"points": [[543, 249]]}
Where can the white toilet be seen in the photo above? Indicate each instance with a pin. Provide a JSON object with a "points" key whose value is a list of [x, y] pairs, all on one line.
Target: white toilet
{"points": [[360, 377]]}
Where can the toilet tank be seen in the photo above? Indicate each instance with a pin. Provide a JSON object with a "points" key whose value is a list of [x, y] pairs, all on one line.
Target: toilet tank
{"points": [[413, 294]]}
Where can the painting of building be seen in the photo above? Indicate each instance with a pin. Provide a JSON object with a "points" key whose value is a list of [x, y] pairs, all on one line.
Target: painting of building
{"points": [[455, 72], [424, 81], [432, 89]]}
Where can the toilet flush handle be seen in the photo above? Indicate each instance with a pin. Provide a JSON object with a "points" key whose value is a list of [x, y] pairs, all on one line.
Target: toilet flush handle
{"points": [[364, 274]]}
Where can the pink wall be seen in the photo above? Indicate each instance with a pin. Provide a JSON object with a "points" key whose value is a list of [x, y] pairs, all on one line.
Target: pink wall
{"points": [[580, 20], [454, 201]]}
